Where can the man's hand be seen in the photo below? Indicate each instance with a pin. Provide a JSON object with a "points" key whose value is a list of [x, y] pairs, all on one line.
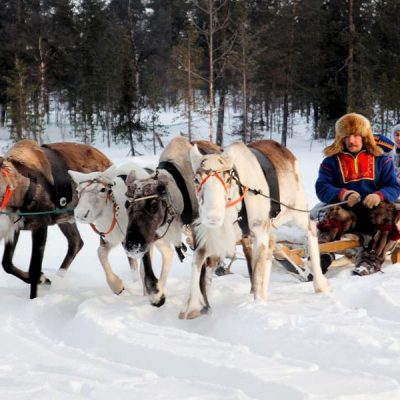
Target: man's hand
{"points": [[352, 198], [372, 200]]}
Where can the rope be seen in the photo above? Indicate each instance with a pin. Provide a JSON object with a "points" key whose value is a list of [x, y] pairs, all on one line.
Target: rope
{"points": [[37, 213]]}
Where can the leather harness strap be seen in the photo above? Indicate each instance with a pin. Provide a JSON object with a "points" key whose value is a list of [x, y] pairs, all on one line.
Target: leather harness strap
{"points": [[187, 216], [272, 179], [62, 189]]}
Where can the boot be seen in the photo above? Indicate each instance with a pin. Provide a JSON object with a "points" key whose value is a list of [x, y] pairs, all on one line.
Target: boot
{"points": [[368, 263]]}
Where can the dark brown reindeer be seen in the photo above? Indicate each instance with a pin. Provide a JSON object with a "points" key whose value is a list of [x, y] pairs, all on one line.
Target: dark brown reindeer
{"points": [[35, 192]]}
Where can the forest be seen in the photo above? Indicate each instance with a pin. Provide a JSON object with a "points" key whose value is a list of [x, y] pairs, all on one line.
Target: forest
{"points": [[110, 67]]}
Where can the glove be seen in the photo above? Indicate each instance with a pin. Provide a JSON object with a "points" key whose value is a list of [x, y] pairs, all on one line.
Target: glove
{"points": [[372, 200], [352, 198]]}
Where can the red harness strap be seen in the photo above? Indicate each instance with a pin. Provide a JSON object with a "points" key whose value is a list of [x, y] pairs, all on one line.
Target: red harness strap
{"points": [[8, 192], [216, 174], [112, 226], [113, 222]]}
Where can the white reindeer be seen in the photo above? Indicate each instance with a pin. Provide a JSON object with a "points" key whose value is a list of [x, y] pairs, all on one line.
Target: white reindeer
{"points": [[102, 205], [226, 183]]}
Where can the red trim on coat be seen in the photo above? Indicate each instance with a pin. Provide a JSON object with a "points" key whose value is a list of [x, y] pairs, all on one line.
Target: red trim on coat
{"points": [[356, 168]]}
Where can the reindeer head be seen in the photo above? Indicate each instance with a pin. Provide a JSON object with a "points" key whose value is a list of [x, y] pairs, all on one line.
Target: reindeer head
{"points": [[147, 208]]}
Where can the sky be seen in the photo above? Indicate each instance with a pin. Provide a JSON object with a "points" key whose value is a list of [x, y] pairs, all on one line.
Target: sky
{"points": [[78, 340]]}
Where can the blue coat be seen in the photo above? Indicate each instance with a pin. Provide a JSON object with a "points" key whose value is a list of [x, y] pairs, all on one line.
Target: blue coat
{"points": [[364, 173]]}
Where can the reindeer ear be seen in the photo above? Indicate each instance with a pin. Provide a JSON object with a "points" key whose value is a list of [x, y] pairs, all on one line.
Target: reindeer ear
{"points": [[195, 157], [78, 177], [109, 173], [131, 178]]}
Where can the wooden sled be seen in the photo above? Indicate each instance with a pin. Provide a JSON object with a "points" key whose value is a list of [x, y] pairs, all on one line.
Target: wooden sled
{"points": [[293, 259]]}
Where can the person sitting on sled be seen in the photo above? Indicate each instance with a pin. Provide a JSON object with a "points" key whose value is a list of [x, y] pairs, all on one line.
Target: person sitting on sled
{"points": [[357, 171]]}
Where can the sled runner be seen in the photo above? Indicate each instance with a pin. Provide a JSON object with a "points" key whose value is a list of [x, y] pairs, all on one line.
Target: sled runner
{"points": [[293, 258]]}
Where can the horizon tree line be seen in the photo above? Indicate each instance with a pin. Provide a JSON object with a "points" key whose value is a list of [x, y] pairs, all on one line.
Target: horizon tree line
{"points": [[106, 62]]}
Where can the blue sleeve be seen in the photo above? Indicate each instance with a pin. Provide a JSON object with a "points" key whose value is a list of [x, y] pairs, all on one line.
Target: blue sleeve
{"points": [[388, 184], [325, 187]]}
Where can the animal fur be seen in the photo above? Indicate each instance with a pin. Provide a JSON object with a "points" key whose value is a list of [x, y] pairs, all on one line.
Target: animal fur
{"points": [[28, 173], [217, 230], [336, 222]]}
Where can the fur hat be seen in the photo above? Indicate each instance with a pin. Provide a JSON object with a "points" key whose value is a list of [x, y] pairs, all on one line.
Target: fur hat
{"points": [[395, 129], [353, 124]]}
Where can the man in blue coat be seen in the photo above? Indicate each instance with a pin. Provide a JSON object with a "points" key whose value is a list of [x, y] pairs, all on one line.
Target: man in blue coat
{"points": [[357, 171]]}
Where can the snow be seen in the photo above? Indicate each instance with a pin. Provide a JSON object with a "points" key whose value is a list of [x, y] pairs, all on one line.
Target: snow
{"points": [[78, 340]]}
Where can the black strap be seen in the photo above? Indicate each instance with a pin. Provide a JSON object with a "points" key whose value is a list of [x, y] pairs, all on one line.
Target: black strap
{"points": [[62, 189], [272, 179], [123, 177], [243, 220], [187, 213]]}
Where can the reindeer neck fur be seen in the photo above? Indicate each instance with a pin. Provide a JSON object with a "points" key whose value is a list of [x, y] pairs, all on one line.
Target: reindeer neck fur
{"points": [[221, 241]]}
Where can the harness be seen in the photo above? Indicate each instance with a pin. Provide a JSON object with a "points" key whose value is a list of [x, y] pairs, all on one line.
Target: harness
{"points": [[242, 219], [272, 180], [62, 189], [187, 213], [115, 207]]}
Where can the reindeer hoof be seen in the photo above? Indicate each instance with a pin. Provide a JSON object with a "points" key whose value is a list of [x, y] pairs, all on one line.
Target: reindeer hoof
{"points": [[182, 315], [221, 271], [193, 314], [43, 280], [120, 291], [159, 303]]}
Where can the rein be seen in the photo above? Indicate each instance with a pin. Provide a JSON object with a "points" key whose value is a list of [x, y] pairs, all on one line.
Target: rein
{"points": [[245, 189]]}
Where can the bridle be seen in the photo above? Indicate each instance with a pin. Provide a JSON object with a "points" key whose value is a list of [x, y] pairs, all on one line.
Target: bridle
{"points": [[170, 212], [8, 191], [109, 197], [216, 174]]}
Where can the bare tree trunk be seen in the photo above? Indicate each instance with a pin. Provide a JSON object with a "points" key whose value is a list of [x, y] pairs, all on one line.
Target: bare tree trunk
{"points": [[211, 66], [221, 118], [189, 90], [350, 61], [288, 78], [43, 91]]}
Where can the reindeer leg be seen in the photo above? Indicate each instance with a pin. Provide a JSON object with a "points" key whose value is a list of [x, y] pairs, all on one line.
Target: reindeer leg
{"points": [[262, 263], [247, 250], [320, 282], [113, 280], [205, 280], [167, 254], [133, 265], [39, 237], [195, 303], [157, 298], [75, 244], [9, 267]]}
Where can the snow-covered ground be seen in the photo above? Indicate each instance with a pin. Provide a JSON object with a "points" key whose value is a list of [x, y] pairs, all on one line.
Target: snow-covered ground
{"points": [[77, 340]]}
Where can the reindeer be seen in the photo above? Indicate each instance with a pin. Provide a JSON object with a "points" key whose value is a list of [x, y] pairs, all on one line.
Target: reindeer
{"points": [[237, 185], [36, 192], [161, 205], [102, 198]]}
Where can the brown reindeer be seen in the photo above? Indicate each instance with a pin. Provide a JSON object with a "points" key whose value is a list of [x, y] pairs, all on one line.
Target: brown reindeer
{"points": [[36, 191]]}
